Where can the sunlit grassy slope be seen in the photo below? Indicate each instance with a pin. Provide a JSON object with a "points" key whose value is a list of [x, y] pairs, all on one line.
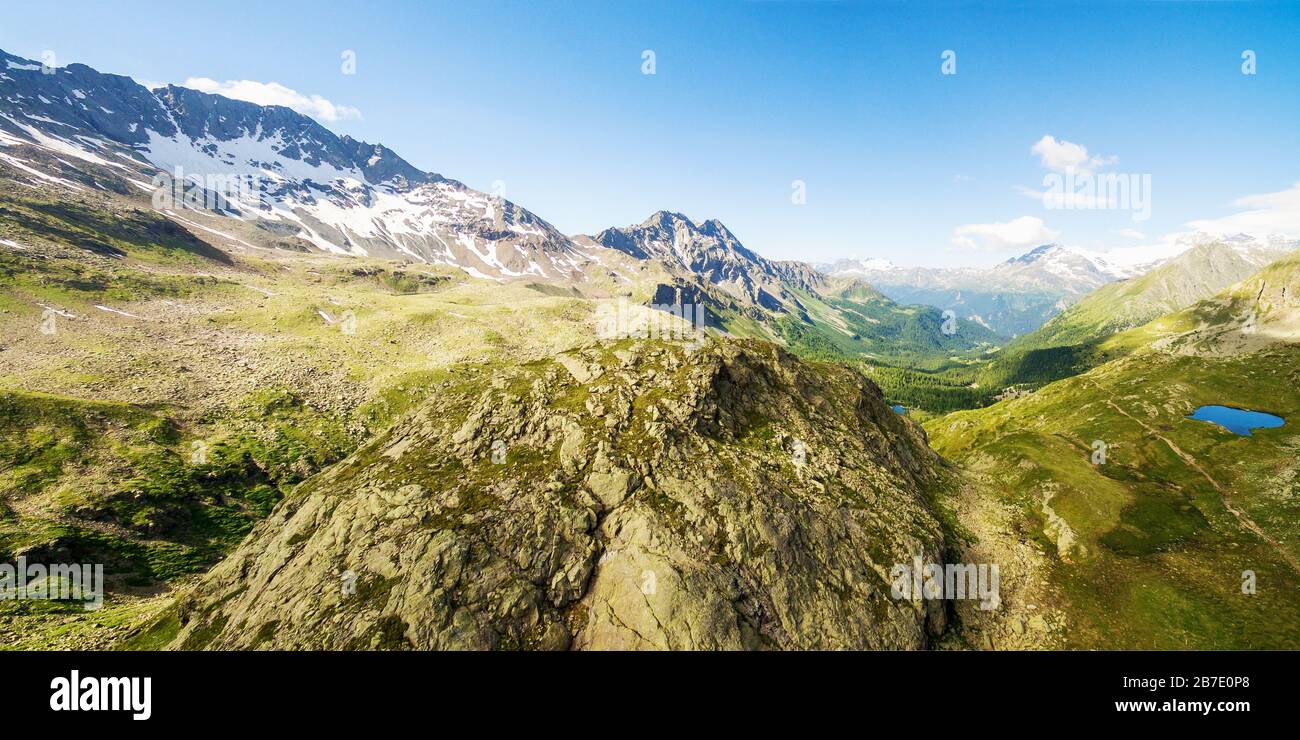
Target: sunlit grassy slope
{"points": [[1151, 547]]}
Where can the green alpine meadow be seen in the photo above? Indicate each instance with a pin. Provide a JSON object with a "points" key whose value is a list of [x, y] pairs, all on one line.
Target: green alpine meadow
{"points": [[752, 327]]}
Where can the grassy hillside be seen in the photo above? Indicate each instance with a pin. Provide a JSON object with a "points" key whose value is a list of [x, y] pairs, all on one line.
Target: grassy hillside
{"points": [[875, 329], [1103, 326], [1148, 548], [159, 396], [1076, 339], [1195, 275]]}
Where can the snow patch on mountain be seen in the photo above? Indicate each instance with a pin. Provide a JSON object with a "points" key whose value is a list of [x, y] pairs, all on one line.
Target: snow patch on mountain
{"points": [[272, 167]]}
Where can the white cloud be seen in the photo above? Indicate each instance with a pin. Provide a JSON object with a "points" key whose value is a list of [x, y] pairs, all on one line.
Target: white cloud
{"points": [[273, 93], [1268, 213], [1021, 232], [962, 178], [1066, 156], [1132, 234]]}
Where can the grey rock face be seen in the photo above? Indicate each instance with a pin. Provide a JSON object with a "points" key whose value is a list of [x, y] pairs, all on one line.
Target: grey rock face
{"points": [[727, 274], [707, 249], [77, 99], [729, 497]]}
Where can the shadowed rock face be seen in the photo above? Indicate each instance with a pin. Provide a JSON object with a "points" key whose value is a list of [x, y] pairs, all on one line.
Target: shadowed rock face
{"points": [[628, 495], [709, 250]]}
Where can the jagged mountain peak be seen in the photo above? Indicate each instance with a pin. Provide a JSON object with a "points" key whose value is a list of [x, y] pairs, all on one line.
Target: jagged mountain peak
{"points": [[672, 220], [662, 224], [714, 227], [667, 219], [306, 184], [206, 116], [707, 248]]}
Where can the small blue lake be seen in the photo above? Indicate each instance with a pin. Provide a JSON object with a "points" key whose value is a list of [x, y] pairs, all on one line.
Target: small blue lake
{"points": [[900, 409], [1237, 421]]}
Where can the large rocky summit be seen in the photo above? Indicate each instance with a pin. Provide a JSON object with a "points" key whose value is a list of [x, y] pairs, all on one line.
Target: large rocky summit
{"points": [[625, 495]]}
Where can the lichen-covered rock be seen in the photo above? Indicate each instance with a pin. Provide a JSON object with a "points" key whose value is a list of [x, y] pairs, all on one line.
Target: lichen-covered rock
{"points": [[727, 497]]}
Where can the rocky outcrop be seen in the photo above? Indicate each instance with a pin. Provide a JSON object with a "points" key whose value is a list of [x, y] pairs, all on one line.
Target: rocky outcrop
{"points": [[623, 496], [710, 252]]}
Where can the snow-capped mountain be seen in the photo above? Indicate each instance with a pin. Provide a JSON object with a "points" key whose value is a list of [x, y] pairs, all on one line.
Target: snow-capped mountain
{"points": [[297, 185], [1050, 267], [1013, 297], [1193, 275], [710, 251], [792, 302], [278, 178], [1258, 250], [1054, 266], [267, 165], [854, 266]]}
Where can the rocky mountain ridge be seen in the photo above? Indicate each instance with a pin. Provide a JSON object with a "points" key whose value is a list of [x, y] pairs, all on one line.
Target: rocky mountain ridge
{"points": [[300, 187], [624, 495], [270, 167]]}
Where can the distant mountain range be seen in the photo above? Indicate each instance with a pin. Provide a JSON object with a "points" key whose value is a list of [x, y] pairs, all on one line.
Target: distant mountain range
{"points": [[1194, 275], [302, 188], [1011, 298]]}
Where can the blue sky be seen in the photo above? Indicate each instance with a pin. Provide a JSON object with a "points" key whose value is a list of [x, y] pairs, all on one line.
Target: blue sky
{"points": [[898, 159]]}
